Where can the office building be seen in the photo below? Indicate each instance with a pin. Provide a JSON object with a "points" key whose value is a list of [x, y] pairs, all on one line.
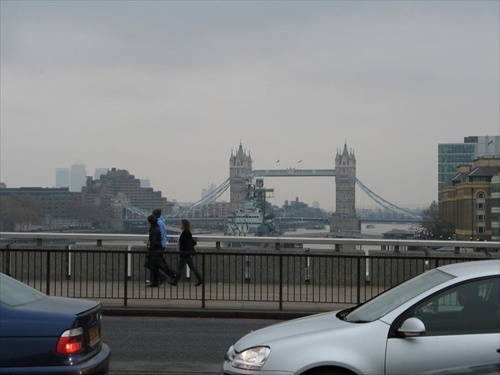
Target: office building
{"points": [[58, 205], [452, 155], [145, 183], [122, 194], [100, 171], [62, 178], [208, 191], [78, 177]]}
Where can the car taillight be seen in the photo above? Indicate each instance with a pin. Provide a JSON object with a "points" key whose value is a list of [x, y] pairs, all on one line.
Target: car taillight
{"points": [[71, 341]]}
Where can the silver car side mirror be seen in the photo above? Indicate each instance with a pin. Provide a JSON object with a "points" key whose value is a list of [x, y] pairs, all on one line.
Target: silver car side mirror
{"points": [[412, 327]]}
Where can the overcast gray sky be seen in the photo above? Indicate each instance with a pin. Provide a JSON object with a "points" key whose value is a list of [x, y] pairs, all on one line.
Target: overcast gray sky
{"points": [[167, 89]]}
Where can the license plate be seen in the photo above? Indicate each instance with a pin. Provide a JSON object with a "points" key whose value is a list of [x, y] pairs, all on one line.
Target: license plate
{"points": [[94, 336]]}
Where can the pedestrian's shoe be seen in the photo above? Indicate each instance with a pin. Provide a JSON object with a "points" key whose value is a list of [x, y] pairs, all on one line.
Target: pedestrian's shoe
{"points": [[148, 282], [198, 283], [171, 282]]}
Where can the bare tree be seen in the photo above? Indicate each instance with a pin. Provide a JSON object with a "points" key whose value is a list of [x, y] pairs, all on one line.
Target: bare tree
{"points": [[438, 228], [19, 212]]}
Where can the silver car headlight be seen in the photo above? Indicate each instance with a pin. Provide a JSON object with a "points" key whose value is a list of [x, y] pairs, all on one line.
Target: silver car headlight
{"points": [[251, 359]]}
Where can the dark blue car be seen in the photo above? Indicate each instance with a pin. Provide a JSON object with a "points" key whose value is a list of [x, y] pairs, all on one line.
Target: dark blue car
{"points": [[40, 334]]}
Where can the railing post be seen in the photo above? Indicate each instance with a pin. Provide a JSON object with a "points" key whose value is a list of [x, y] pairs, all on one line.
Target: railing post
{"points": [[204, 281], [68, 262], [358, 287], [129, 261], [125, 281], [47, 277], [281, 281], [307, 275], [247, 268], [6, 268]]}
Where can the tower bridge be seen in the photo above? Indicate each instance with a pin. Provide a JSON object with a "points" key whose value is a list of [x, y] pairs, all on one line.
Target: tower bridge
{"points": [[242, 174], [292, 172]]}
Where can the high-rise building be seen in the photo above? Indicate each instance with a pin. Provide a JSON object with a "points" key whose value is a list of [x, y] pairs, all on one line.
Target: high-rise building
{"points": [[145, 183], [452, 155], [122, 193], [78, 177], [100, 171], [205, 192], [62, 178]]}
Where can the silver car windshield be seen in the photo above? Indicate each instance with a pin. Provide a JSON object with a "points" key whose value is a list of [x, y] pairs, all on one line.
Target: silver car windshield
{"points": [[395, 297]]}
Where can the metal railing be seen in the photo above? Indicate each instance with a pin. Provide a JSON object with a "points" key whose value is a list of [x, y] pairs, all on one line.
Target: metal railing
{"points": [[111, 267]]}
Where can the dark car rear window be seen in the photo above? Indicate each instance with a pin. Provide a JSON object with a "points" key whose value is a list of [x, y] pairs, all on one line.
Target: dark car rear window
{"points": [[15, 293]]}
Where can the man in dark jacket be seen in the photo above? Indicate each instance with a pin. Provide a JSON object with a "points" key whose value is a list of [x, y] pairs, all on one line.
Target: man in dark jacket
{"points": [[155, 260]]}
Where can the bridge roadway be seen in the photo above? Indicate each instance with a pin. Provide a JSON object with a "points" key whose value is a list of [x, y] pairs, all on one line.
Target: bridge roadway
{"points": [[182, 338], [177, 346]]}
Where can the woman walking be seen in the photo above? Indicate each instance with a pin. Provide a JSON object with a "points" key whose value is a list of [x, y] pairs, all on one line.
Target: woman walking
{"points": [[185, 247]]}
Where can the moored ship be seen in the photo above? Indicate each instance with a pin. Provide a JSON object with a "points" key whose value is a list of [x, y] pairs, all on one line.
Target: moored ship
{"points": [[251, 220]]}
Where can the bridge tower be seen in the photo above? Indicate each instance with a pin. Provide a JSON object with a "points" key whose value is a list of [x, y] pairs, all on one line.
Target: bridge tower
{"points": [[345, 219], [240, 175]]}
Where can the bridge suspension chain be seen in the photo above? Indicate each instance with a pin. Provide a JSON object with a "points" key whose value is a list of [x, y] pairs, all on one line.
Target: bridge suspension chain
{"points": [[202, 203], [382, 202], [205, 201]]}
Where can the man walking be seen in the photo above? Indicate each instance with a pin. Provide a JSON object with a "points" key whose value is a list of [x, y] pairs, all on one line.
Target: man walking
{"points": [[163, 229]]}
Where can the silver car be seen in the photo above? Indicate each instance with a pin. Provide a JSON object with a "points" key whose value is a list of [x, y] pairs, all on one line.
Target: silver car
{"points": [[444, 321]]}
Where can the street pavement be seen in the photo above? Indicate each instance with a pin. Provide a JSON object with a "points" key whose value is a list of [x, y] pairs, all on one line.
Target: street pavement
{"points": [[172, 345], [163, 336]]}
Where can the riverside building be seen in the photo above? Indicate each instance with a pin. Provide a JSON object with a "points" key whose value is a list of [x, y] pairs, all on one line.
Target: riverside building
{"points": [[452, 155], [472, 201]]}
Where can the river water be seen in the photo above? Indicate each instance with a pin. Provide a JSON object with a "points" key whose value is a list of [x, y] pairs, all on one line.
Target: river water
{"points": [[374, 231], [380, 228]]}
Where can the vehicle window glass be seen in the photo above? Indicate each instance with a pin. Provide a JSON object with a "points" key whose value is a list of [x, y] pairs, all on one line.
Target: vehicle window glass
{"points": [[396, 296], [15, 293], [469, 308]]}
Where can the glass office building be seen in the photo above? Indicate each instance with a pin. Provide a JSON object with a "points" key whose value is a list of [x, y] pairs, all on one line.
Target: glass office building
{"points": [[452, 155]]}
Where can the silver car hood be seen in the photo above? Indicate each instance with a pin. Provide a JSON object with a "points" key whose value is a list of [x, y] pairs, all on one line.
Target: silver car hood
{"points": [[309, 325]]}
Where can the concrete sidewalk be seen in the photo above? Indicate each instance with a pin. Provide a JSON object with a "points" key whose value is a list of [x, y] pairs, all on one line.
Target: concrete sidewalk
{"points": [[216, 309], [221, 301]]}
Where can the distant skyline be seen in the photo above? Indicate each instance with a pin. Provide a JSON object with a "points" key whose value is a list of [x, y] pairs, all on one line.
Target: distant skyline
{"points": [[166, 89]]}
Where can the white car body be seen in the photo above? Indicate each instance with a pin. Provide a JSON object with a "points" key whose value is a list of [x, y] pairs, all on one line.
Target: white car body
{"points": [[329, 344]]}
